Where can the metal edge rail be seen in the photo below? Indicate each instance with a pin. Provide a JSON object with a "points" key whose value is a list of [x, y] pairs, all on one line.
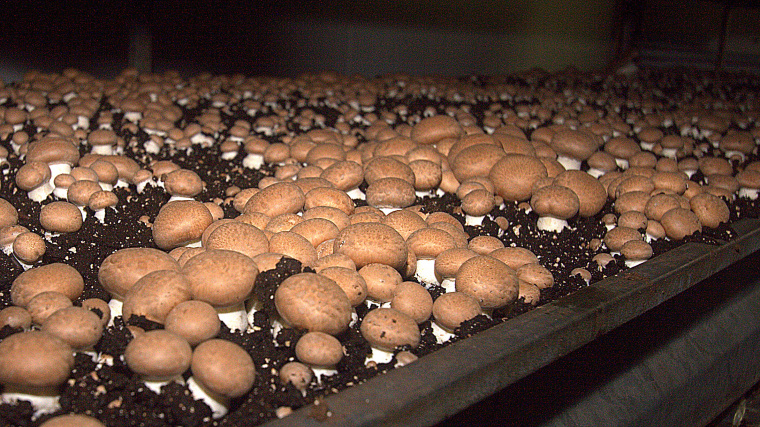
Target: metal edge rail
{"points": [[450, 379]]}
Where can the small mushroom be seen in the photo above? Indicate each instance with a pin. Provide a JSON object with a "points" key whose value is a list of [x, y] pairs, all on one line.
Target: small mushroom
{"points": [[180, 223], [196, 321], [385, 329], [320, 351], [413, 300], [313, 302], [159, 357], [78, 327], [61, 217], [554, 204], [491, 282], [298, 374], [71, 420]]}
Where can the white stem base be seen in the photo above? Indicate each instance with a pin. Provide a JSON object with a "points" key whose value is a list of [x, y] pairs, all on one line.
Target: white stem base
{"points": [[217, 403], [548, 223], [425, 271], [43, 401], [235, 317]]}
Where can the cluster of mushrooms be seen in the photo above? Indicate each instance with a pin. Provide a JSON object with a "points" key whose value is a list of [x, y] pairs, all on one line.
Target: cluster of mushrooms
{"points": [[342, 201]]}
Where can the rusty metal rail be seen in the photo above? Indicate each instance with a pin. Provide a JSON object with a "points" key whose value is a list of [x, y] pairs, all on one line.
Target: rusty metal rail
{"points": [[453, 378]]}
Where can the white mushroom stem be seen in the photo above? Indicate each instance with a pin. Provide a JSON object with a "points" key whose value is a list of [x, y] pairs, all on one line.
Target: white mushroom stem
{"points": [[253, 161], [105, 150], [646, 146], [596, 173], [115, 305], [425, 271], [58, 169], [219, 404], [175, 198], [630, 263], [235, 317], [569, 162], [151, 147], [449, 284], [155, 385], [379, 356], [23, 264], [622, 163], [750, 193], [40, 193], [356, 194], [229, 155], [441, 335], [386, 211], [669, 152], [730, 153], [324, 370], [473, 220], [43, 399], [548, 223]]}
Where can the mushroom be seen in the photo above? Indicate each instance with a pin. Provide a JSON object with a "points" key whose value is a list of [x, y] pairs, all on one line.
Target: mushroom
{"points": [[367, 243], [55, 277], [390, 193], [183, 184], [237, 236], [491, 282], [222, 370], [61, 217], [225, 280], [155, 295], [15, 317], [35, 179], [636, 252], [70, 420], [514, 175], [447, 265], [313, 302], [180, 223], [573, 147], [679, 223], [381, 280], [711, 210], [591, 194], [450, 310], [120, 271], [387, 328], [28, 248], [320, 351], [159, 357], [33, 365], [42, 305], [78, 327], [554, 204], [298, 374], [427, 244], [196, 321], [352, 283], [413, 300], [8, 214]]}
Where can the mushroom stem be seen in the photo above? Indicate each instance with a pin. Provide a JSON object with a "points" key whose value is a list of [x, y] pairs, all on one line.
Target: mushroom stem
{"points": [[441, 335], [40, 193], [548, 223], [253, 161], [750, 193], [473, 220], [356, 194], [115, 305], [569, 162], [235, 317], [218, 403], [155, 385], [378, 356], [43, 399], [425, 271]]}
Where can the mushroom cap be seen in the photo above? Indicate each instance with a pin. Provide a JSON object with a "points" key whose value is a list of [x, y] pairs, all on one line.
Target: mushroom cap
{"points": [[155, 294], [313, 302], [711, 210], [591, 193], [618, 236], [35, 359], [578, 144], [475, 160], [180, 222], [8, 214], [32, 174], [223, 367], [414, 300], [371, 242], [352, 283], [29, 247], [78, 327], [55, 277], [53, 149], [183, 182], [432, 129], [405, 221], [61, 217], [319, 349], [381, 281], [387, 328], [514, 175], [46, 303], [123, 268], [276, 199], [158, 355], [428, 243], [447, 263], [453, 308], [491, 282], [636, 250], [679, 223], [536, 274], [196, 321], [390, 192], [293, 245], [220, 277], [555, 201], [238, 236], [297, 374], [515, 257], [328, 197], [15, 317], [72, 420]]}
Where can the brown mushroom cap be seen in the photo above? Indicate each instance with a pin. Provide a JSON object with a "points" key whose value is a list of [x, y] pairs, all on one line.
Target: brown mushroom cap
{"points": [[196, 321], [390, 192], [61, 217], [72, 420], [413, 300], [711, 210], [591, 194], [183, 182], [180, 222], [381, 281], [367, 243], [313, 302], [8, 214], [158, 355], [293, 245], [491, 282], [636, 250], [28, 247], [431, 130], [319, 349], [386, 329], [297, 374], [618, 236], [352, 283], [536, 274], [155, 294], [453, 308], [123, 268], [15, 317], [223, 367], [514, 175], [330, 197], [99, 307], [55, 277], [447, 263], [276, 199], [576, 144], [238, 236], [34, 359], [76, 326], [484, 245], [679, 223], [428, 243], [220, 277], [555, 201], [316, 230]]}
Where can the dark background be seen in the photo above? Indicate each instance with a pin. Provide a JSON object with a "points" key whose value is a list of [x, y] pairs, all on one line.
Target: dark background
{"points": [[450, 37]]}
